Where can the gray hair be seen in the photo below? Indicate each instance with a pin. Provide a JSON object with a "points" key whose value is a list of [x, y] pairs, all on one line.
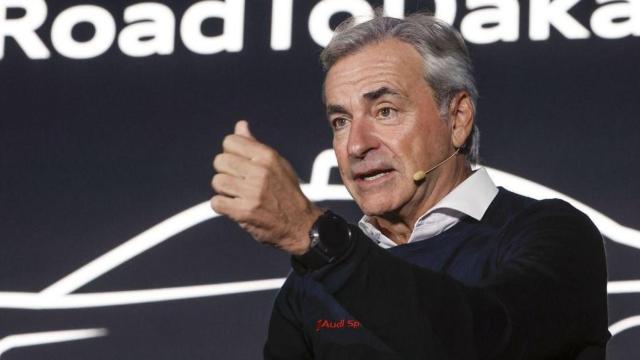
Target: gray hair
{"points": [[447, 64]]}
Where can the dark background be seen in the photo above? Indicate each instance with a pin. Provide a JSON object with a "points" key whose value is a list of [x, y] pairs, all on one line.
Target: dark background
{"points": [[95, 151]]}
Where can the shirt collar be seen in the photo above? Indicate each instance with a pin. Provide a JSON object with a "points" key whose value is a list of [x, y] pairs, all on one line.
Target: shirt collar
{"points": [[471, 197]]}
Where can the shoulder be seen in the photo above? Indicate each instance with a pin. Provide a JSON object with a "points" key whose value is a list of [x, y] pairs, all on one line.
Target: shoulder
{"points": [[553, 214], [511, 210], [550, 226]]}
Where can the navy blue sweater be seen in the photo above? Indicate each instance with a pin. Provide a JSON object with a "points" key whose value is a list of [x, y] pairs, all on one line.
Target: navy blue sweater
{"points": [[528, 281]]}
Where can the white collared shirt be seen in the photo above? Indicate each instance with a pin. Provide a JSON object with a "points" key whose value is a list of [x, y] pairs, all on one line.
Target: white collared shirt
{"points": [[471, 197]]}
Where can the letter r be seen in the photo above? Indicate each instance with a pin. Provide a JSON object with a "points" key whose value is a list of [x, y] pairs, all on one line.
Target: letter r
{"points": [[23, 30]]}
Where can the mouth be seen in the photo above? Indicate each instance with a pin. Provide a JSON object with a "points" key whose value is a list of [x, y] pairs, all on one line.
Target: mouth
{"points": [[372, 175]]}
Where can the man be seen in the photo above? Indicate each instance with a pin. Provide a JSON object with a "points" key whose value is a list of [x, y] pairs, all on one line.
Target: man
{"points": [[470, 271]]}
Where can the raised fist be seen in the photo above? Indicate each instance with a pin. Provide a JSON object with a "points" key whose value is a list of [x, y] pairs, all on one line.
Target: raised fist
{"points": [[258, 189]]}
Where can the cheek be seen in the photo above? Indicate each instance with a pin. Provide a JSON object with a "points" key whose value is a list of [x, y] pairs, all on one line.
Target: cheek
{"points": [[343, 160], [425, 144], [406, 146]]}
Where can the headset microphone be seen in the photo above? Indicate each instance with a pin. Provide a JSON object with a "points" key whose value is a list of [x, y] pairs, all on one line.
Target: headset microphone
{"points": [[420, 175]]}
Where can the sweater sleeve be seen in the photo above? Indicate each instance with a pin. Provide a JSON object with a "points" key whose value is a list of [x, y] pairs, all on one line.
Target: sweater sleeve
{"points": [[546, 300]]}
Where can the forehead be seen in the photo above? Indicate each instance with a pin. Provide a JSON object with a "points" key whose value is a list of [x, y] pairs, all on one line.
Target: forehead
{"points": [[389, 63]]}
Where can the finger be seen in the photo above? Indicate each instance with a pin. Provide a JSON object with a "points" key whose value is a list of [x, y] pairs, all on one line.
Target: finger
{"points": [[222, 204], [235, 165], [234, 208], [242, 129], [228, 185], [248, 148]]}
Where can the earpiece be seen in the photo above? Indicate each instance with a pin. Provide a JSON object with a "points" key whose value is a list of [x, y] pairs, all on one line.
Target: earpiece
{"points": [[421, 174]]}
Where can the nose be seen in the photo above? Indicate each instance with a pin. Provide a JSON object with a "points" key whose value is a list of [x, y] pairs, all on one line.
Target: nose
{"points": [[362, 138]]}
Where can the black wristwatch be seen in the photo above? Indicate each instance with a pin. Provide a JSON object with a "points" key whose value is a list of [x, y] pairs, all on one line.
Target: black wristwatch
{"points": [[330, 237]]}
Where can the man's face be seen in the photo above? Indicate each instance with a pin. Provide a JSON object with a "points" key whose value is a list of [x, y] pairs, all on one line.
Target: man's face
{"points": [[386, 126]]}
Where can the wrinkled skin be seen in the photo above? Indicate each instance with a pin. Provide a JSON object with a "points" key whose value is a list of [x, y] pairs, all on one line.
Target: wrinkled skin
{"points": [[386, 123], [386, 126], [258, 188]]}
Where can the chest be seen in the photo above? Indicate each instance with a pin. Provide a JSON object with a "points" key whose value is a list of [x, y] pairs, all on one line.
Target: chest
{"points": [[467, 256]]}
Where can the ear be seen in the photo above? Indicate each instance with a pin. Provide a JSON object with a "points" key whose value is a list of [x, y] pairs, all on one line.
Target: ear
{"points": [[461, 116]]}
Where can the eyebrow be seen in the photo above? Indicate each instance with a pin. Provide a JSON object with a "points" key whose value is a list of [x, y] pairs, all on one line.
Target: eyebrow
{"points": [[378, 93], [335, 109], [370, 96]]}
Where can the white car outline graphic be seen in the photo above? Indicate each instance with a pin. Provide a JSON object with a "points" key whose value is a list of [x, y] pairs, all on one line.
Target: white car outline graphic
{"points": [[59, 295]]}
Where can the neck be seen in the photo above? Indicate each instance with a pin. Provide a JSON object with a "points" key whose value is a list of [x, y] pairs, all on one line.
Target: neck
{"points": [[399, 225]]}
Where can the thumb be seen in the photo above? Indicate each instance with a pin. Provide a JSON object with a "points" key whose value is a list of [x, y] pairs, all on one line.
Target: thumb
{"points": [[242, 129]]}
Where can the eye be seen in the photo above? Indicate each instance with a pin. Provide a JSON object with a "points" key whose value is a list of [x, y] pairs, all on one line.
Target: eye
{"points": [[339, 122], [386, 112]]}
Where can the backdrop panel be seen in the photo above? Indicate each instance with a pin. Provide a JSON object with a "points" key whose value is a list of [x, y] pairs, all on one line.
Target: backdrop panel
{"points": [[111, 112]]}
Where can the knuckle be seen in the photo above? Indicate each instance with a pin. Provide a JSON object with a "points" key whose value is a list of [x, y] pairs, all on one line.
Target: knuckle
{"points": [[217, 161], [263, 197], [228, 139], [262, 173], [215, 204], [265, 186], [243, 215], [217, 181], [271, 156], [252, 206]]}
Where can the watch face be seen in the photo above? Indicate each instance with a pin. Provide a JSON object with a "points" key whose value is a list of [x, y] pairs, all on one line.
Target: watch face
{"points": [[333, 233]]}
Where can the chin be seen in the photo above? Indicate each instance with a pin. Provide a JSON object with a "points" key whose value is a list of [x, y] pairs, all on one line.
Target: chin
{"points": [[387, 200], [375, 207]]}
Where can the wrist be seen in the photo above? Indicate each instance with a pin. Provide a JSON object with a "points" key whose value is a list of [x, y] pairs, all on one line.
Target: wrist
{"points": [[303, 243], [329, 237]]}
